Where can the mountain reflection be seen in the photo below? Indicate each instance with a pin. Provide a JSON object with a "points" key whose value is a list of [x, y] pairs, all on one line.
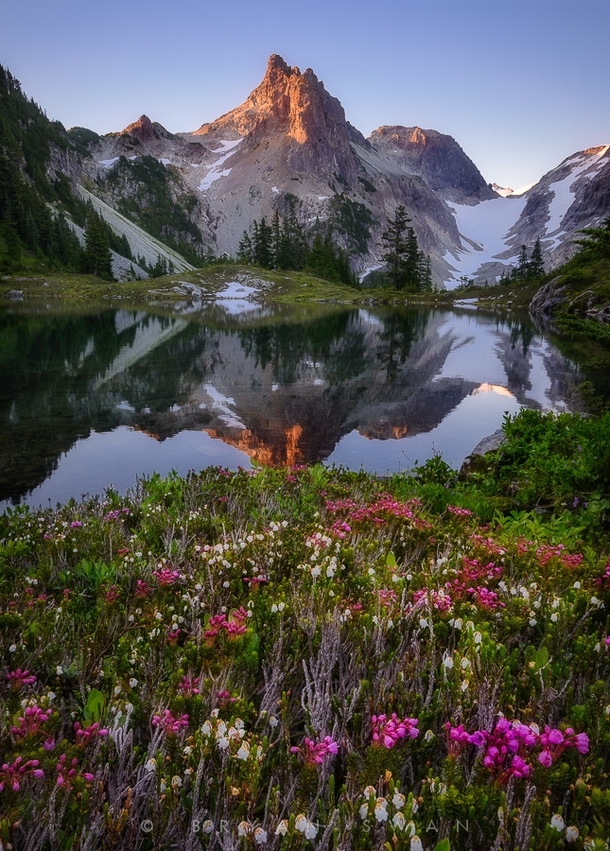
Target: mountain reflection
{"points": [[283, 388]]}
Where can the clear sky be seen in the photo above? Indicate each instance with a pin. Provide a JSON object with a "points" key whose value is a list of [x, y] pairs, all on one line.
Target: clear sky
{"points": [[520, 84]]}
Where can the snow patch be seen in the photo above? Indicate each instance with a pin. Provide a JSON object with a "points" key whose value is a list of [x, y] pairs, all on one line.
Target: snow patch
{"points": [[108, 163], [485, 228], [212, 177], [226, 149], [563, 194], [164, 161]]}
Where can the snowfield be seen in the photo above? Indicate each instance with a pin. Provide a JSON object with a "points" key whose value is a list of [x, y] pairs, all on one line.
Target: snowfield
{"points": [[484, 230]]}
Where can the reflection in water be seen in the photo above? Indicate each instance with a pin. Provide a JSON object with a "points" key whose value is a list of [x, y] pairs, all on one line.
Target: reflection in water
{"points": [[372, 389]]}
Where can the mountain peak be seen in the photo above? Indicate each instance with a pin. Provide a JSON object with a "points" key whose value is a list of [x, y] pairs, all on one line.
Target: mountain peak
{"points": [[145, 130], [284, 100]]}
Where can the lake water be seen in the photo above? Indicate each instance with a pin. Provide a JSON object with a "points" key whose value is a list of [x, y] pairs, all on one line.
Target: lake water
{"points": [[97, 397]]}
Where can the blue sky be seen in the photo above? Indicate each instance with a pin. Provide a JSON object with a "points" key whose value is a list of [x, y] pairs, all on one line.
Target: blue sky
{"points": [[520, 84]]}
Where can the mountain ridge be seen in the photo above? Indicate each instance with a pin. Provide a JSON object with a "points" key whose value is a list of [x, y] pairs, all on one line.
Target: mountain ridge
{"points": [[289, 145]]}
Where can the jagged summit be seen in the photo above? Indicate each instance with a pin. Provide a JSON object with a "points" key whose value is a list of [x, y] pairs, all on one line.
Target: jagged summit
{"points": [[294, 110], [146, 130]]}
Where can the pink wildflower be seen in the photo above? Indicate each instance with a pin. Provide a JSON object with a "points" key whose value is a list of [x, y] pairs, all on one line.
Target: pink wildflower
{"points": [[315, 753], [11, 776], [18, 679], [388, 731], [169, 724]]}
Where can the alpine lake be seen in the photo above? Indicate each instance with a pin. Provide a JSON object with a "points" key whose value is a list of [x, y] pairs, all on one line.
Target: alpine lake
{"points": [[96, 396]]}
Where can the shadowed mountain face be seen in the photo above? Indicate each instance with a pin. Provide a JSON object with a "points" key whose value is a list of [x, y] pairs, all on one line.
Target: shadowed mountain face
{"points": [[283, 390]]}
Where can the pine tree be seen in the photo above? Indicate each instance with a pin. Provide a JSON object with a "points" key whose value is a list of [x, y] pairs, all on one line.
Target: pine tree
{"points": [[395, 240], [97, 258], [536, 265]]}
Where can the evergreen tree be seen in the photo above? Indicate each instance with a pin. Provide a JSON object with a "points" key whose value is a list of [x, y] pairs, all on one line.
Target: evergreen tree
{"points": [[408, 267], [97, 259], [536, 265], [395, 242]]}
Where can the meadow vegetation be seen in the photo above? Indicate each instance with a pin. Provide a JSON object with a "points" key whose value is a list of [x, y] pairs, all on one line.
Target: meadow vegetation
{"points": [[314, 658]]}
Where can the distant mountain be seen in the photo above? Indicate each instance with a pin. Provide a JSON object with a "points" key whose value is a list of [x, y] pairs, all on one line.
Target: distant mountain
{"points": [[288, 147]]}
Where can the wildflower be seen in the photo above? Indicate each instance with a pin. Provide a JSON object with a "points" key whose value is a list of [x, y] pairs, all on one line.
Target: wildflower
{"points": [[88, 734], [416, 844], [11, 776], [282, 828], [381, 809], [557, 822], [399, 821], [314, 754], [572, 833], [244, 828], [388, 731], [18, 679], [169, 724]]}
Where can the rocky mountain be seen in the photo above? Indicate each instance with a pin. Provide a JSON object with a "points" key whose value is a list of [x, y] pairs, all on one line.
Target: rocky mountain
{"points": [[573, 196], [288, 147], [437, 159]]}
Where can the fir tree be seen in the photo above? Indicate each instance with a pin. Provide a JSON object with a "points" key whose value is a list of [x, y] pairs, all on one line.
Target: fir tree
{"points": [[97, 259]]}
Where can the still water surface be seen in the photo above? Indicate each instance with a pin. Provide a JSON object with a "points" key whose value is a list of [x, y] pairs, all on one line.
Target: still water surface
{"points": [[96, 398]]}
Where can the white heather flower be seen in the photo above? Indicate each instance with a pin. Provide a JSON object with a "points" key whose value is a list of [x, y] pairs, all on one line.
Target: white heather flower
{"points": [[151, 765], [577, 586], [244, 828], [364, 811], [311, 830], [207, 826], [300, 823], [133, 682], [282, 828], [369, 790], [399, 800], [273, 721], [572, 833], [260, 835], [416, 843], [244, 751], [381, 809], [557, 822], [423, 623], [448, 662], [554, 617], [399, 821]]}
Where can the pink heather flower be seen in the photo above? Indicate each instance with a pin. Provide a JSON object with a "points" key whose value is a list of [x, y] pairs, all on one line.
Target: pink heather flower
{"points": [[166, 577], [189, 686], [18, 679], [169, 724], [545, 758], [388, 731], [459, 512], [519, 767], [12, 775], [315, 753], [30, 722], [85, 735], [142, 589]]}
